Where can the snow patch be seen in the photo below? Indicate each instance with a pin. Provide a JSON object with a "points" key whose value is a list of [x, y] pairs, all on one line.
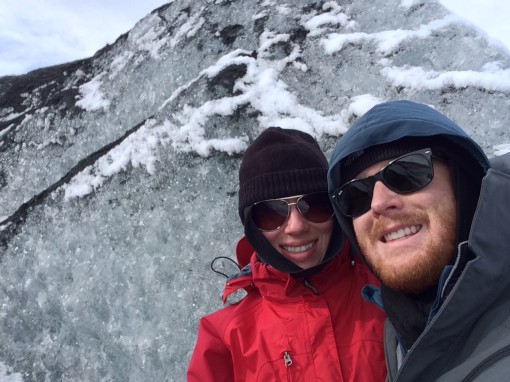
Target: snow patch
{"points": [[92, 98]]}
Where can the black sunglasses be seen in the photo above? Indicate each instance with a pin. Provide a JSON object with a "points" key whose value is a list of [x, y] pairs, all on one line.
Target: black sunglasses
{"points": [[270, 215], [403, 175]]}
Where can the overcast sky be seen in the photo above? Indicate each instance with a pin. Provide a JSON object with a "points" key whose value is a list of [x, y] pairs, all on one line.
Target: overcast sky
{"points": [[492, 16], [40, 33]]}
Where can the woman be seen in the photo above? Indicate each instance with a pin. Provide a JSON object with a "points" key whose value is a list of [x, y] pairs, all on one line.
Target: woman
{"points": [[303, 317]]}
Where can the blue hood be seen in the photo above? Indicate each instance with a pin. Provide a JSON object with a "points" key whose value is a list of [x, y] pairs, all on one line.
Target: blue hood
{"points": [[390, 122]]}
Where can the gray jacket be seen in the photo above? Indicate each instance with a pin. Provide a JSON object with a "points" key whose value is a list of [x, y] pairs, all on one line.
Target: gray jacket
{"points": [[469, 337]]}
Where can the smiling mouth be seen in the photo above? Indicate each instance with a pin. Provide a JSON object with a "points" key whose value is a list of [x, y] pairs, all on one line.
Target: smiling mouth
{"points": [[402, 232], [301, 248]]}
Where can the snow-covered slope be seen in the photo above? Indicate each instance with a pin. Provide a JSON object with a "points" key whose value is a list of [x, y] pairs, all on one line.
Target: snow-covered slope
{"points": [[118, 177]]}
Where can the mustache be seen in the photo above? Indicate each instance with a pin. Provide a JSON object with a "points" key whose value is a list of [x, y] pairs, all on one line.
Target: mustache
{"points": [[380, 226]]}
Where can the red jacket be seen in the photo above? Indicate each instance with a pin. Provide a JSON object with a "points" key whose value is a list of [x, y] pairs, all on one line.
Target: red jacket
{"points": [[284, 330]]}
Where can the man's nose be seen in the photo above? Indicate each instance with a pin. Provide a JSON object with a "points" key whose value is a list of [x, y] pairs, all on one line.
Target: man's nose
{"points": [[384, 199]]}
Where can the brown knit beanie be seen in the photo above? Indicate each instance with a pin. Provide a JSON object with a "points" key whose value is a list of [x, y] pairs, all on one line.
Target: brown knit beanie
{"points": [[281, 163]]}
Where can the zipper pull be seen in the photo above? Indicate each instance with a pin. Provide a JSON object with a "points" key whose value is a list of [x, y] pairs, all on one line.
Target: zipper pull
{"points": [[287, 359], [310, 286]]}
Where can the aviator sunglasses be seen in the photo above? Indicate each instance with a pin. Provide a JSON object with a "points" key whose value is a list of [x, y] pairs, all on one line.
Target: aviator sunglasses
{"points": [[408, 173], [270, 215]]}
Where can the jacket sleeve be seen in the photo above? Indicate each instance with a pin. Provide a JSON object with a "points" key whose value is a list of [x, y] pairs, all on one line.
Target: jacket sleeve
{"points": [[211, 359]]}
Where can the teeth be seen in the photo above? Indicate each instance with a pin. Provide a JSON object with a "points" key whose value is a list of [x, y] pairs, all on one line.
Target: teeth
{"points": [[298, 249], [402, 232]]}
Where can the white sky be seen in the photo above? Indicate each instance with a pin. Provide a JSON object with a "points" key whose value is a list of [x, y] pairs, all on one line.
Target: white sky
{"points": [[36, 34], [489, 15]]}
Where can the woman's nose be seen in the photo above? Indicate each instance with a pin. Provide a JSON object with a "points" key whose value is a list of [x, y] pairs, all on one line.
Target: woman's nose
{"points": [[296, 222]]}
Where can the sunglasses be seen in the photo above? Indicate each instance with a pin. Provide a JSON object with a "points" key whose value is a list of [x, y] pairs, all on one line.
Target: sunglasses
{"points": [[408, 173], [270, 215]]}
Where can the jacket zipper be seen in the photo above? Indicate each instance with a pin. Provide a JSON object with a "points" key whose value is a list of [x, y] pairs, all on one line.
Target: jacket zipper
{"points": [[488, 363], [288, 363]]}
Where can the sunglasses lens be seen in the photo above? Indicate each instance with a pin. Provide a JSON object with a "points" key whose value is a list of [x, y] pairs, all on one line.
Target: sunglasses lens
{"points": [[408, 174], [316, 207], [355, 197], [270, 215]]}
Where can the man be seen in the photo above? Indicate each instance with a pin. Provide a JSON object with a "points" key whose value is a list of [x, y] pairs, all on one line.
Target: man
{"points": [[303, 317], [419, 200]]}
